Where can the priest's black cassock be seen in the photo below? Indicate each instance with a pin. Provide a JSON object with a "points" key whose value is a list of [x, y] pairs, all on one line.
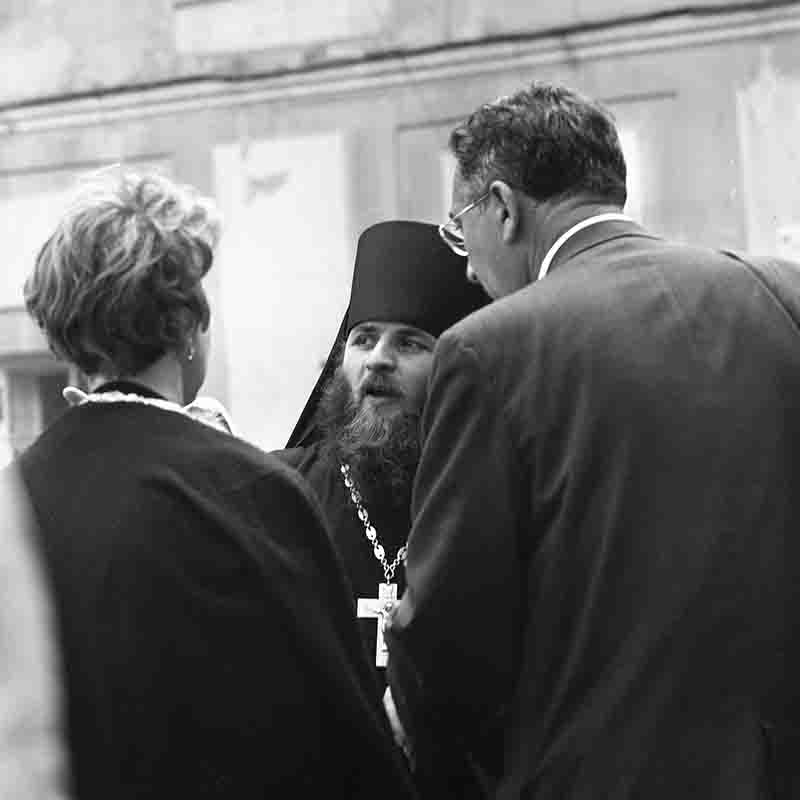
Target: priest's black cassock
{"points": [[205, 624], [318, 466]]}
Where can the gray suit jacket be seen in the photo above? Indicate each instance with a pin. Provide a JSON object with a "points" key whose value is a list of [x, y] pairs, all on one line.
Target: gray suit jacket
{"points": [[604, 565]]}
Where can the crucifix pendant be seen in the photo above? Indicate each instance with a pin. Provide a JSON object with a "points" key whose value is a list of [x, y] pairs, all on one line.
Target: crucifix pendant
{"points": [[377, 608]]}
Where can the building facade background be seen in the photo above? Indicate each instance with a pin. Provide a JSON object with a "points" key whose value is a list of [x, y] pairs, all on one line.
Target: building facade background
{"points": [[310, 120]]}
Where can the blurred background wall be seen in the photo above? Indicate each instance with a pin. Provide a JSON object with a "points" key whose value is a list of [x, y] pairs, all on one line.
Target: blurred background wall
{"points": [[309, 120]]}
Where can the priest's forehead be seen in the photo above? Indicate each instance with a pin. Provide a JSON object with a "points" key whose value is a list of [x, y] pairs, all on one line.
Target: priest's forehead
{"points": [[397, 328]]}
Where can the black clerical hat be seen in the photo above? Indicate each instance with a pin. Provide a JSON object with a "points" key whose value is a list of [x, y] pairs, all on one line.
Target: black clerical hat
{"points": [[403, 273]]}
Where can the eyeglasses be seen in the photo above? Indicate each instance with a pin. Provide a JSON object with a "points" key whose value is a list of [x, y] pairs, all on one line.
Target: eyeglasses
{"points": [[451, 232]]}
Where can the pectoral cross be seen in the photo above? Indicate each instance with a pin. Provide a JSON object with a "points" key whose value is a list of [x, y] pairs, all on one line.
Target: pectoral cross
{"points": [[377, 608]]}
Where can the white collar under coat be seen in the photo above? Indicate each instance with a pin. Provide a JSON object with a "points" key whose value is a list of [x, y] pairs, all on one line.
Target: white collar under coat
{"points": [[570, 232]]}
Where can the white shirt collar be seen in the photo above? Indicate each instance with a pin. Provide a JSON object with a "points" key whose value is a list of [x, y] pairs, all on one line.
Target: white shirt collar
{"points": [[204, 409], [584, 223]]}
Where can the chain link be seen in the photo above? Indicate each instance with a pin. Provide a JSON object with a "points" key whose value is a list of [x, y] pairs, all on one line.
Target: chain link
{"points": [[372, 535]]}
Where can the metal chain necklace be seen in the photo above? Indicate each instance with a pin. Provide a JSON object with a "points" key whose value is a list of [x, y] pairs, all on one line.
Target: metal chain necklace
{"points": [[369, 529], [377, 608]]}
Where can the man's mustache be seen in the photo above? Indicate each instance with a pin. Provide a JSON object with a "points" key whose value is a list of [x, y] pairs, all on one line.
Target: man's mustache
{"points": [[379, 385]]}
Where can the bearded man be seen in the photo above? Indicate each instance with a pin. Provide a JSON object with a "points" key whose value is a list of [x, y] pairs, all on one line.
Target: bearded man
{"points": [[357, 441]]}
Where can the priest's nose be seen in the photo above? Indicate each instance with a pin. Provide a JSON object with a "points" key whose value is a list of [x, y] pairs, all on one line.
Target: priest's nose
{"points": [[382, 357]]}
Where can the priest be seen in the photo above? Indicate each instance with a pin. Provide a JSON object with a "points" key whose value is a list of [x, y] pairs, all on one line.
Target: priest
{"points": [[357, 440]]}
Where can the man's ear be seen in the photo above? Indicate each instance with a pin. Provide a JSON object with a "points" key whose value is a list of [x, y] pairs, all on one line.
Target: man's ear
{"points": [[508, 210]]}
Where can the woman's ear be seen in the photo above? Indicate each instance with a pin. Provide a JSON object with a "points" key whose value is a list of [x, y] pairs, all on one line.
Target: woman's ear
{"points": [[508, 210]]}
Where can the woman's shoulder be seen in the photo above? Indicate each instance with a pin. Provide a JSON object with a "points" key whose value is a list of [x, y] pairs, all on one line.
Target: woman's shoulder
{"points": [[246, 459]]}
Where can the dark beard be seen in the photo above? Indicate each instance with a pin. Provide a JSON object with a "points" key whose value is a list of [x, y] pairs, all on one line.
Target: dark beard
{"points": [[382, 452]]}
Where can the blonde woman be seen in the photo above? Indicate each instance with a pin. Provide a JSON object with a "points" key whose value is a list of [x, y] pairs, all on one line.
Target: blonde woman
{"points": [[208, 641]]}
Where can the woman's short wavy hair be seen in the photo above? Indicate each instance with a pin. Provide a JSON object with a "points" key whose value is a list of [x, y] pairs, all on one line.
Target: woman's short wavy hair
{"points": [[547, 140], [118, 284]]}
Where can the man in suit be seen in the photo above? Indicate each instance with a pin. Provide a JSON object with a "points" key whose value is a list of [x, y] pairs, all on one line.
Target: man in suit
{"points": [[603, 567]]}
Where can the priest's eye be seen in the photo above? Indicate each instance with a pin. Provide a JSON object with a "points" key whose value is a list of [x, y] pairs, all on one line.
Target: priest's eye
{"points": [[413, 345], [362, 340]]}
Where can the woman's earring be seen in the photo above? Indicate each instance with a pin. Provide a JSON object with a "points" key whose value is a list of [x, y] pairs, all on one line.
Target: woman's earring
{"points": [[190, 352]]}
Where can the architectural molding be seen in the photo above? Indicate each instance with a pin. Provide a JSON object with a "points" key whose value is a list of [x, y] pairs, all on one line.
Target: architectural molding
{"points": [[396, 71]]}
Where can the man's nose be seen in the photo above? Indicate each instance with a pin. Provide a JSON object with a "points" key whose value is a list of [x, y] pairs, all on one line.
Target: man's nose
{"points": [[382, 357], [472, 276]]}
